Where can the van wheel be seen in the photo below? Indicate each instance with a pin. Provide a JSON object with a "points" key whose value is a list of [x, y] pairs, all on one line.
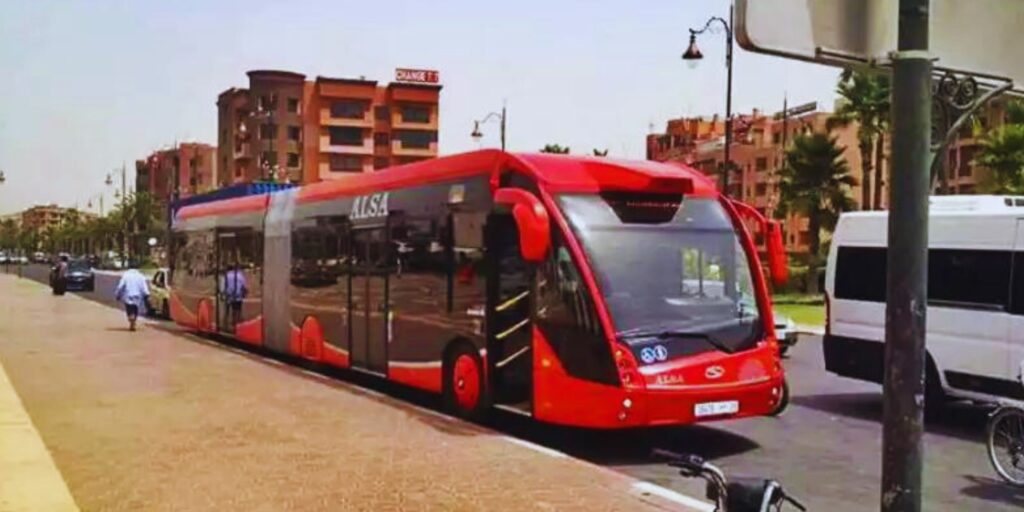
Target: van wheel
{"points": [[463, 383]]}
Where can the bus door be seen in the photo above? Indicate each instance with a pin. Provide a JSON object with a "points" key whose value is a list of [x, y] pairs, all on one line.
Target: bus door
{"points": [[369, 296], [509, 317], [226, 252]]}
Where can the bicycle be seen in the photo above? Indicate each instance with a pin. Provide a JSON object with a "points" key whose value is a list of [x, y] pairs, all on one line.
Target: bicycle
{"points": [[1004, 438], [737, 494]]}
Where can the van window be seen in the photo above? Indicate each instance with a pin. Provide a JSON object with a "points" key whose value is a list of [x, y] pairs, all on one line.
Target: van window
{"points": [[959, 277], [956, 277]]}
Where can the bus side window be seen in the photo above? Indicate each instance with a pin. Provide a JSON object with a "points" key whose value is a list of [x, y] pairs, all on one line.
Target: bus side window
{"points": [[567, 317]]}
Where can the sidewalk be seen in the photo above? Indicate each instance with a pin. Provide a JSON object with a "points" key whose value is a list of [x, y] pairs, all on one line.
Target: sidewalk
{"points": [[155, 420]]}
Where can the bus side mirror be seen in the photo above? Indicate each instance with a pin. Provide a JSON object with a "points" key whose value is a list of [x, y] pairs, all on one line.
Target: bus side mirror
{"points": [[776, 253], [531, 219]]}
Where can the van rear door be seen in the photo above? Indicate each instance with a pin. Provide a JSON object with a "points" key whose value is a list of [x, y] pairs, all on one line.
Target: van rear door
{"points": [[1016, 331]]}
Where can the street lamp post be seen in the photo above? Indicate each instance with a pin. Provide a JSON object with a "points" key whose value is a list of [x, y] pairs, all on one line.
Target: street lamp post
{"points": [[692, 56], [477, 134]]}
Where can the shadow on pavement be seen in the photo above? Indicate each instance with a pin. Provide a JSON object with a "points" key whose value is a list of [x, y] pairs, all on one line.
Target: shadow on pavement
{"points": [[961, 420], [993, 490], [624, 447]]}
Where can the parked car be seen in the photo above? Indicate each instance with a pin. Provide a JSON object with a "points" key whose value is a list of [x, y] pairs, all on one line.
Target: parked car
{"points": [[159, 294], [785, 332], [4, 259], [39, 257]]}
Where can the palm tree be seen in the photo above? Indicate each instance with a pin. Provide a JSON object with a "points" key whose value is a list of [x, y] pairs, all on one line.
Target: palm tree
{"points": [[555, 148], [814, 182], [1002, 152], [866, 102]]}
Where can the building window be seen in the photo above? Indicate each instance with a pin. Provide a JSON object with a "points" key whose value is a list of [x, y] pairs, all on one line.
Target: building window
{"points": [[346, 163], [415, 139], [268, 131], [348, 109], [295, 133], [293, 106], [402, 160], [380, 162], [415, 114], [266, 103], [761, 189], [381, 139], [293, 160], [345, 136], [776, 137], [761, 164], [382, 113]]}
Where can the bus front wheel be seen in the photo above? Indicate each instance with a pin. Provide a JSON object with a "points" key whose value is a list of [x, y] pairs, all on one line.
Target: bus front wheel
{"points": [[463, 384]]}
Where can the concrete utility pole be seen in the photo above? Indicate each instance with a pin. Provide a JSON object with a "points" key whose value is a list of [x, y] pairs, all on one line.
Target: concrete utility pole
{"points": [[907, 271]]}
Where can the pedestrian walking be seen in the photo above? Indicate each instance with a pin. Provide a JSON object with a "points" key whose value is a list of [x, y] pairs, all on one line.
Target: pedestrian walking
{"points": [[132, 291], [235, 290], [59, 279]]}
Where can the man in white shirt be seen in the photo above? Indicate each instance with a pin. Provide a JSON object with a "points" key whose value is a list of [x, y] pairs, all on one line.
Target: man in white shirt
{"points": [[133, 292]]}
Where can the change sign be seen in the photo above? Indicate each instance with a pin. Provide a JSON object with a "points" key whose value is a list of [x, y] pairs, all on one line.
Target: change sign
{"points": [[419, 76]]}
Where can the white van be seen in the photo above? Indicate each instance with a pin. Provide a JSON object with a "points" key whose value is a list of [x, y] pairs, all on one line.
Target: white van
{"points": [[975, 323]]}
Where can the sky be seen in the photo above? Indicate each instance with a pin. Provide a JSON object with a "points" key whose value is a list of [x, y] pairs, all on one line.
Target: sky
{"points": [[90, 85]]}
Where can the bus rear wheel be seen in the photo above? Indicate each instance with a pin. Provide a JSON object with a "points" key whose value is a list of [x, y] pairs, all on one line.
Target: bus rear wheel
{"points": [[463, 384]]}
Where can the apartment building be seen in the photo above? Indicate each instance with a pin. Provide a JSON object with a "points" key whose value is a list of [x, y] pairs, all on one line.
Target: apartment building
{"points": [[196, 165], [286, 128], [47, 217], [757, 154]]}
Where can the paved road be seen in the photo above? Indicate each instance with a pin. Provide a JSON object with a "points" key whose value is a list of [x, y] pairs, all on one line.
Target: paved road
{"points": [[825, 448], [103, 291]]}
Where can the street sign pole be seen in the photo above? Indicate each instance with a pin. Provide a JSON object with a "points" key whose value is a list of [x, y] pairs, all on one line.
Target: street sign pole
{"points": [[907, 271]]}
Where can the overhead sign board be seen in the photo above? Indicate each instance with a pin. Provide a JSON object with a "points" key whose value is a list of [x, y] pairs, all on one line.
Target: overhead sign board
{"points": [[797, 110], [417, 76], [978, 37]]}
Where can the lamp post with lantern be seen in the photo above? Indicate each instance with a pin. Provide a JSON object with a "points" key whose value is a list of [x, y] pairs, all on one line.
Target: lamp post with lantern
{"points": [[692, 56], [477, 134]]}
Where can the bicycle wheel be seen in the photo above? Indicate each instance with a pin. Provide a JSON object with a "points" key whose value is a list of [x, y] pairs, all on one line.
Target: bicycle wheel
{"points": [[1005, 441]]}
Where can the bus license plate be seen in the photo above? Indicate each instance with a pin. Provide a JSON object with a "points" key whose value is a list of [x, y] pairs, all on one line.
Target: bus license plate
{"points": [[716, 408]]}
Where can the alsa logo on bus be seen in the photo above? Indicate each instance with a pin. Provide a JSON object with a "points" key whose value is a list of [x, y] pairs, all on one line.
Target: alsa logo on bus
{"points": [[370, 207]]}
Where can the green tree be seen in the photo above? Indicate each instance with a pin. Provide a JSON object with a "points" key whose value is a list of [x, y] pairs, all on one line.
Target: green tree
{"points": [[814, 182], [598, 152], [865, 101], [1002, 152], [555, 148]]}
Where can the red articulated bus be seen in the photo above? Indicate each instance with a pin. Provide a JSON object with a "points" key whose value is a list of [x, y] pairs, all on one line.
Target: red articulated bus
{"points": [[579, 291]]}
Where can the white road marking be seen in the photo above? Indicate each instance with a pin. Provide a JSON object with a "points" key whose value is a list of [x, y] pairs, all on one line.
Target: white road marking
{"points": [[669, 494], [536, 447], [274, 362]]}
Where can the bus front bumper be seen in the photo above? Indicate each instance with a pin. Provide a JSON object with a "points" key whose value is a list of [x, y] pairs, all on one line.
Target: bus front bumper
{"points": [[692, 404]]}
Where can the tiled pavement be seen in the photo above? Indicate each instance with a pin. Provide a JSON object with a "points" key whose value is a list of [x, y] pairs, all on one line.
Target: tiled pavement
{"points": [[158, 420]]}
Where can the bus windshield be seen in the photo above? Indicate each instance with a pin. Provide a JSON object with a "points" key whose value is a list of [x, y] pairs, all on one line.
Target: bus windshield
{"points": [[672, 271]]}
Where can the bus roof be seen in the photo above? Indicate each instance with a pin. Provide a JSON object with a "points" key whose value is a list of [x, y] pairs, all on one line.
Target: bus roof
{"points": [[555, 173]]}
